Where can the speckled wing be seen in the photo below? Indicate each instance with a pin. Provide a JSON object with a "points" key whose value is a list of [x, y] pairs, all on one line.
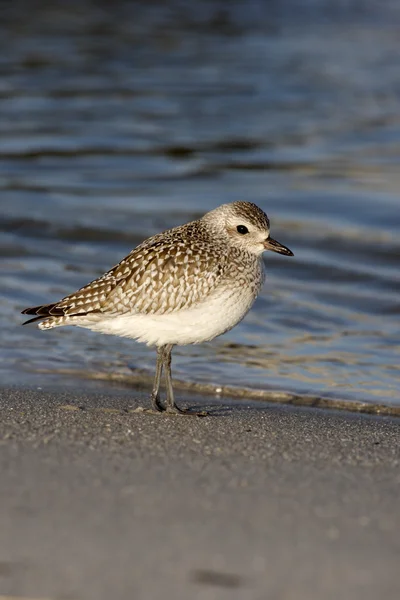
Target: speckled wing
{"points": [[166, 273]]}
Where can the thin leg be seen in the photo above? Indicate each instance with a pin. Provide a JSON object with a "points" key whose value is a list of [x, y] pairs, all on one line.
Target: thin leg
{"points": [[155, 398], [164, 363], [171, 406]]}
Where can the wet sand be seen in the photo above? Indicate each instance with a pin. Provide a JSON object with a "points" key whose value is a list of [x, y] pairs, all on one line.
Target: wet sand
{"points": [[255, 501]]}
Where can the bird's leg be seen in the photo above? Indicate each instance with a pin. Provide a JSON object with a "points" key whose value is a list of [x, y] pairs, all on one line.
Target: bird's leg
{"points": [[155, 398], [171, 406]]}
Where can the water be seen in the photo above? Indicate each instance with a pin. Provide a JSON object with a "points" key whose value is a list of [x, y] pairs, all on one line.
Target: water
{"points": [[119, 122]]}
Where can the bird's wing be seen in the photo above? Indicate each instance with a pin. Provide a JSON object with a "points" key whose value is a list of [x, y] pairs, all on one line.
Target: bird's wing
{"points": [[166, 273]]}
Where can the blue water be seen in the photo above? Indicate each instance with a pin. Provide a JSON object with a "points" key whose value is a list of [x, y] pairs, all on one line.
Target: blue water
{"points": [[118, 123]]}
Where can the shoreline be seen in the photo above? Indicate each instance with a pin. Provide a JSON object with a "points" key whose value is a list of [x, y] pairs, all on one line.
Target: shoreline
{"points": [[215, 392]]}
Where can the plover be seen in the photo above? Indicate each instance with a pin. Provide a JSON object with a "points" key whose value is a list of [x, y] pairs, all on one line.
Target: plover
{"points": [[186, 285]]}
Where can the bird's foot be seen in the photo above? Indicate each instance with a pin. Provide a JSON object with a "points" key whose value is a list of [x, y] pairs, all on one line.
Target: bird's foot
{"points": [[171, 409], [156, 404], [175, 410]]}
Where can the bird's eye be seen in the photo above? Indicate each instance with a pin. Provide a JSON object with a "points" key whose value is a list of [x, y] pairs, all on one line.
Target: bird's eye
{"points": [[242, 229]]}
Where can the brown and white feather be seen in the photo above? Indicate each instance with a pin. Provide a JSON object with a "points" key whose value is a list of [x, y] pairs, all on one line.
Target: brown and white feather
{"points": [[184, 285]]}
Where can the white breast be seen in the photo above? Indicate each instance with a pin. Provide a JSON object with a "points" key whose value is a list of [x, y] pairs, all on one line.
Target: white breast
{"points": [[216, 315]]}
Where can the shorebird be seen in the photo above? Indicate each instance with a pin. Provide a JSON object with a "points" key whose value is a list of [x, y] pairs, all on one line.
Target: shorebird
{"points": [[186, 285]]}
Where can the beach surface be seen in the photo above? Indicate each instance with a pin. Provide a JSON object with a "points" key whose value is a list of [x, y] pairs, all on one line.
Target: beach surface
{"points": [[255, 501]]}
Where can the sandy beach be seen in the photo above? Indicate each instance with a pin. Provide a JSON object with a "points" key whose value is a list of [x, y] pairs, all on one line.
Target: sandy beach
{"points": [[254, 501]]}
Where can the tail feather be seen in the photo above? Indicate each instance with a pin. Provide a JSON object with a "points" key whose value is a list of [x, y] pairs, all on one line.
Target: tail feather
{"points": [[41, 312], [45, 310], [50, 314], [32, 320]]}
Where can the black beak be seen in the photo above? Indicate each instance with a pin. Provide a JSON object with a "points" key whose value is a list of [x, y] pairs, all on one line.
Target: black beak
{"points": [[271, 244]]}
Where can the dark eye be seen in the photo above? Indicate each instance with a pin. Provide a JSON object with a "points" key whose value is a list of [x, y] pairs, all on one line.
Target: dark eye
{"points": [[242, 229]]}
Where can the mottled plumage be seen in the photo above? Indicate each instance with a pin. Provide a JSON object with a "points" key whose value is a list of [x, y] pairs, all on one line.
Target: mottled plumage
{"points": [[184, 286]]}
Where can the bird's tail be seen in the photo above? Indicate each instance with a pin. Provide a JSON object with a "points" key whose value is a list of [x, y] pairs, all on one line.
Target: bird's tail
{"points": [[47, 313]]}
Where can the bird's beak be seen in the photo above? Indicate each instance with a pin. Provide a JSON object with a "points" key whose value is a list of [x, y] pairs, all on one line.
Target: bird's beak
{"points": [[271, 244]]}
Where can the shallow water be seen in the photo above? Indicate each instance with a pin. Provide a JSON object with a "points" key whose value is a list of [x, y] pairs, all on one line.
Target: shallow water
{"points": [[118, 123]]}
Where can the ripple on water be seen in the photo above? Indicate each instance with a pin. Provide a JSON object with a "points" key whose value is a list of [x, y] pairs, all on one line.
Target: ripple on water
{"points": [[117, 126]]}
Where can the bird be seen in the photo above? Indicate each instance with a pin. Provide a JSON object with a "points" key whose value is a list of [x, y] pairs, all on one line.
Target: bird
{"points": [[186, 285]]}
